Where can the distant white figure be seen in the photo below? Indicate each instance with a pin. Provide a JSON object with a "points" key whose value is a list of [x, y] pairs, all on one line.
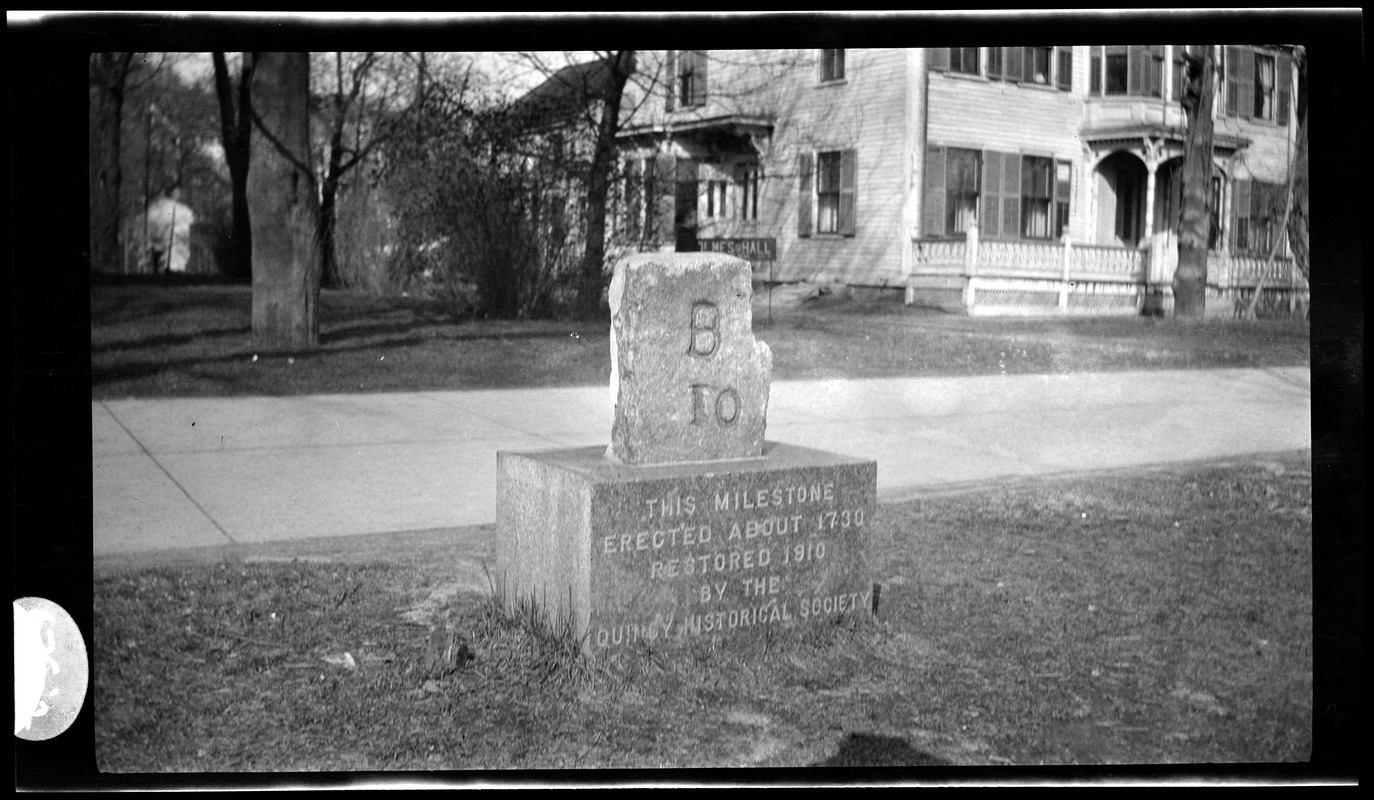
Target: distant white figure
{"points": [[169, 233]]}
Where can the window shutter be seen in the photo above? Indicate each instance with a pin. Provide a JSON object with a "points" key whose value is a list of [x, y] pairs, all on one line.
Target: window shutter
{"points": [[634, 178], [937, 59], [804, 194], [848, 185], [1095, 71], [1232, 74], [1240, 206], [1063, 189], [1245, 78], [1284, 66], [699, 77], [1011, 195], [990, 199], [1156, 59], [671, 79], [1137, 69], [1064, 80], [1011, 63], [1180, 72], [933, 221]]}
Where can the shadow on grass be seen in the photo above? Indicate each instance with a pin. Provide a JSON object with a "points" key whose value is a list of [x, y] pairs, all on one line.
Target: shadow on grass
{"points": [[871, 750], [332, 344], [171, 340], [475, 333]]}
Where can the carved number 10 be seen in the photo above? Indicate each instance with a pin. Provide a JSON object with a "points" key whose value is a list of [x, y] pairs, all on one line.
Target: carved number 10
{"points": [[705, 338]]}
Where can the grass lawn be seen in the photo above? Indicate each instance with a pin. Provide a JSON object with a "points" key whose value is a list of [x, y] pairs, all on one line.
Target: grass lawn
{"points": [[1157, 617], [163, 341]]}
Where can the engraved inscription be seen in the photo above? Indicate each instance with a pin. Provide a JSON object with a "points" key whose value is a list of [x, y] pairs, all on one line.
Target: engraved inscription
{"points": [[705, 331], [725, 407], [737, 557]]}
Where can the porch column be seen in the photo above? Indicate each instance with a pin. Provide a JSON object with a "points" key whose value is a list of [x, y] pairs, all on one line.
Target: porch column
{"points": [[1151, 168], [970, 264], [1152, 153], [1064, 275]]}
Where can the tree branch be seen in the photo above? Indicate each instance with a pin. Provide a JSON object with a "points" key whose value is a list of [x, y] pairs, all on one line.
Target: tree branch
{"points": [[283, 151]]}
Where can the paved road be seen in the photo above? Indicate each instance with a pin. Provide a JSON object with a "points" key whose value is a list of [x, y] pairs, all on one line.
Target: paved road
{"points": [[215, 471]]}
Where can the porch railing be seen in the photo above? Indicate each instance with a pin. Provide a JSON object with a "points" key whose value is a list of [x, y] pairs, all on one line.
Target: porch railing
{"points": [[1017, 277]]}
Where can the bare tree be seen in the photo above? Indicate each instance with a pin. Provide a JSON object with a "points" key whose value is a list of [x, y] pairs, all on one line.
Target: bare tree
{"points": [[236, 126], [109, 73], [362, 111], [283, 205], [1190, 279], [619, 65]]}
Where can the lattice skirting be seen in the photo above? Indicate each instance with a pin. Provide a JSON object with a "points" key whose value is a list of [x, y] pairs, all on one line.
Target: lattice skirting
{"points": [[1017, 298], [1119, 300], [937, 297]]}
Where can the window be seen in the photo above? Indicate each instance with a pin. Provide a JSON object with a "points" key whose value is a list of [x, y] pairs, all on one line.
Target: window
{"points": [[828, 192], [715, 199], [953, 181], [749, 193], [1117, 70], [688, 68], [1257, 210], [1264, 87], [1035, 65], [1136, 70], [1037, 196], [1010, 195], [964, 170], [832, 196], [832, 65], [1258, 84], [963, 60], [1045, 185]]}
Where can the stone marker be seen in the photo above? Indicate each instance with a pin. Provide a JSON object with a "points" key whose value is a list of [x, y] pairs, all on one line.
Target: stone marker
{"points": [[688, 379], [689, 525]]}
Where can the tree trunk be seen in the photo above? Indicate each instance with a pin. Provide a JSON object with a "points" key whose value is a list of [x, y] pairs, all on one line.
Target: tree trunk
{"points": [[108, 72], [1297, 220], [592, 276], [283, 206], [329, 193], [1190, 279], [237, 134]]}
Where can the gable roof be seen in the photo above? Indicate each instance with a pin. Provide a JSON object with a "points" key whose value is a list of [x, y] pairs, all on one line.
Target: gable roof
{"points": [[565, 94]]}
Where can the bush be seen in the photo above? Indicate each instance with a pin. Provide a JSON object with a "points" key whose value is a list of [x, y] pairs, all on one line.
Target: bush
{"points": [[483, 216]]}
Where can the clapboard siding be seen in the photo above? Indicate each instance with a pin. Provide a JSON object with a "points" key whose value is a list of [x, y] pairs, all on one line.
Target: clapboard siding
{"points": [[974, 112], [866, 113]]}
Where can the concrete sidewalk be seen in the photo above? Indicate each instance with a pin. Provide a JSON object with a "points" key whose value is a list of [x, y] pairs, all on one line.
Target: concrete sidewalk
{"points": [[205, 472]]}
